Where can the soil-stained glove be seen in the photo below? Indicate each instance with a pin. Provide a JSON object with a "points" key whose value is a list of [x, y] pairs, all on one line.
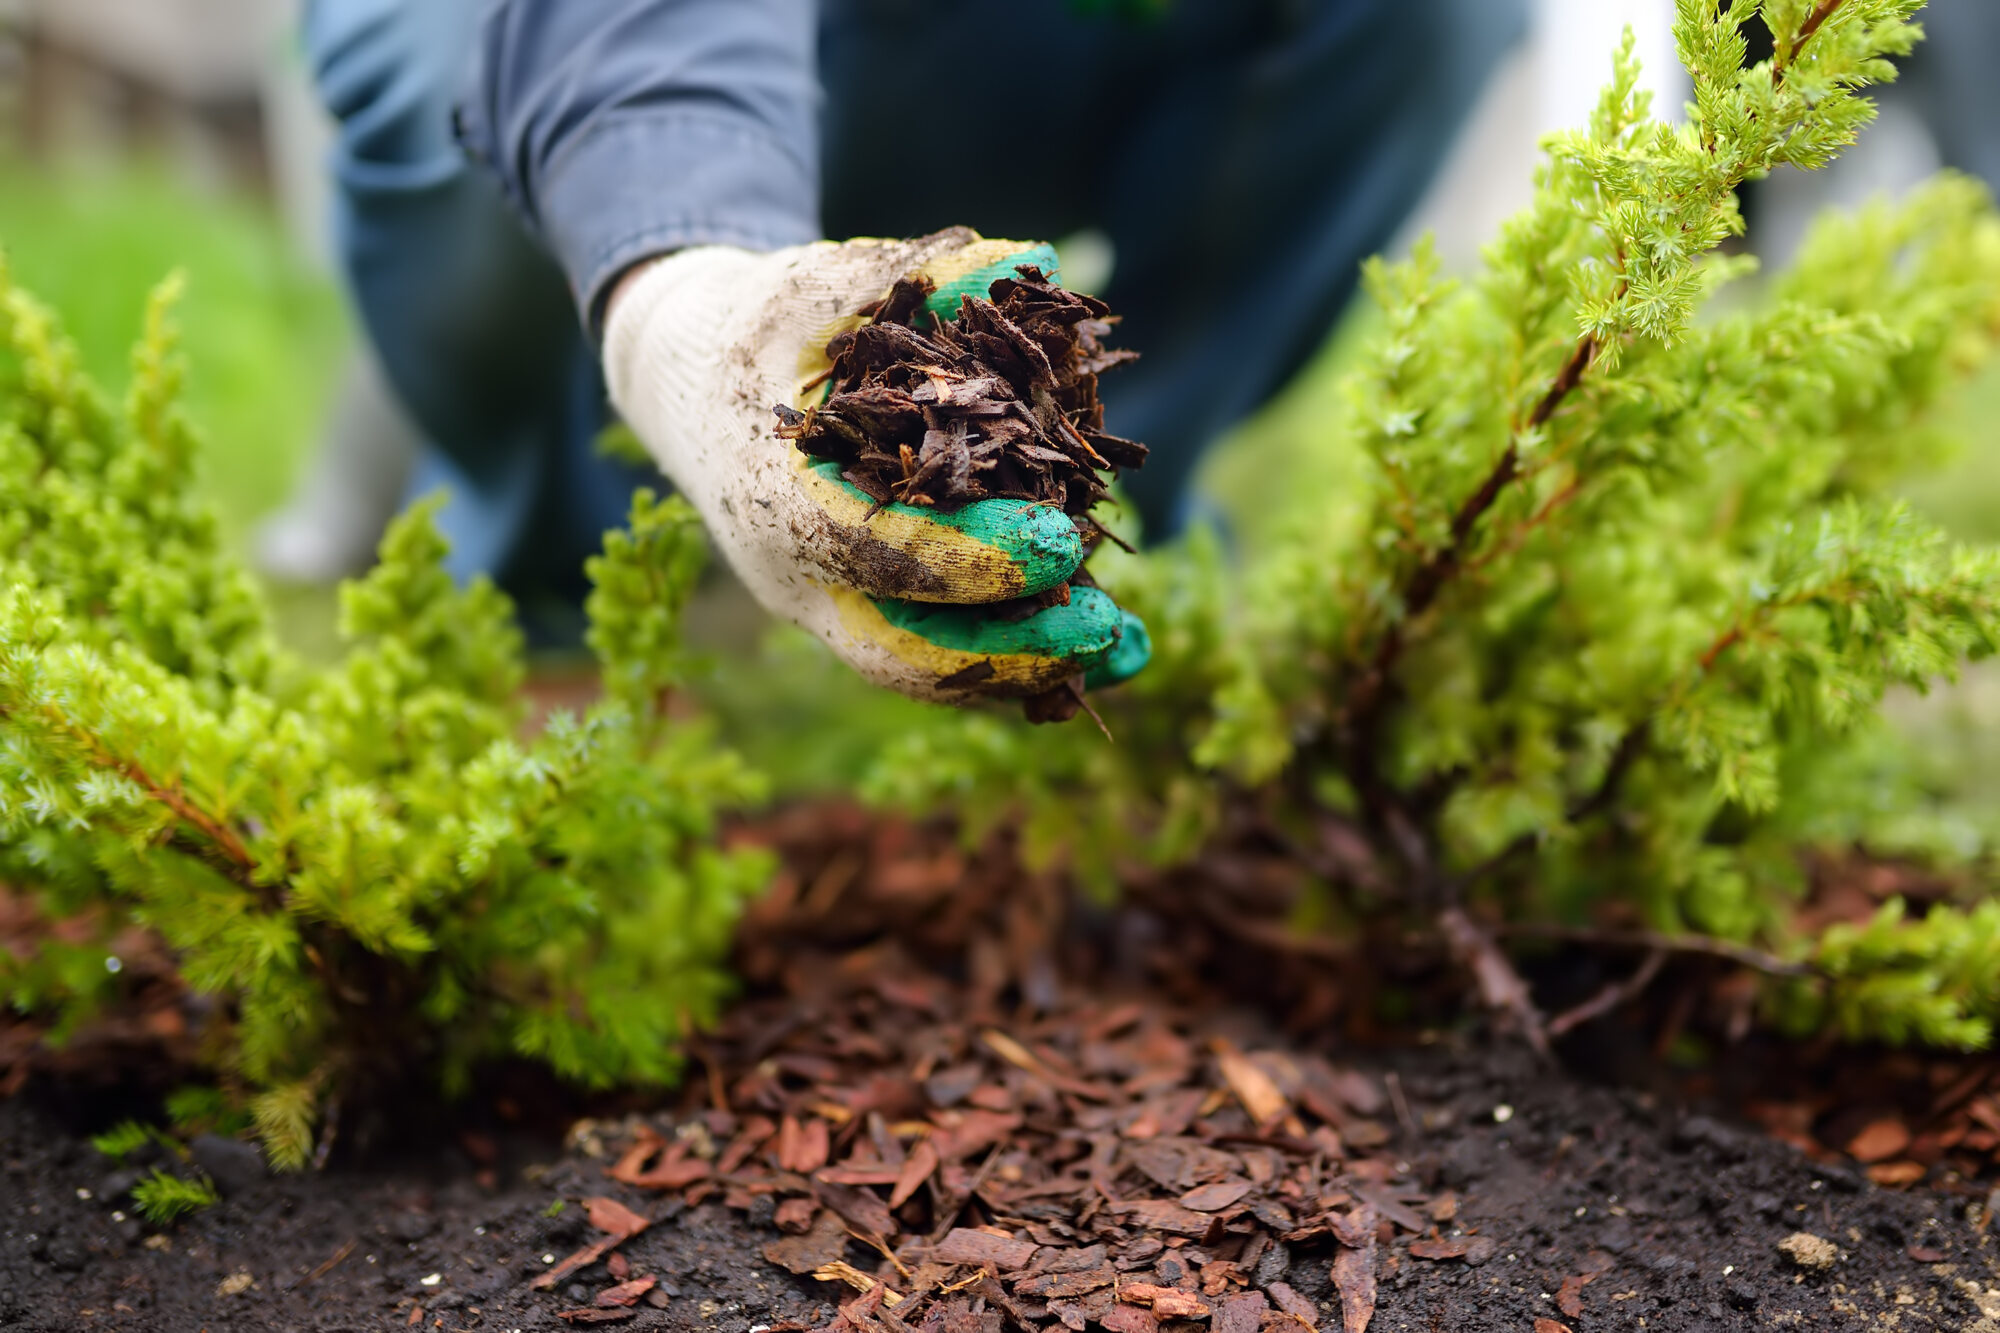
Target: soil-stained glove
{"points": [[700, 346]]}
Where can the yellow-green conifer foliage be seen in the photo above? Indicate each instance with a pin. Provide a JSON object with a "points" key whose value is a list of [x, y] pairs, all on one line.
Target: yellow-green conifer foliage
{"points": [[1608, 640], [370, 868]]}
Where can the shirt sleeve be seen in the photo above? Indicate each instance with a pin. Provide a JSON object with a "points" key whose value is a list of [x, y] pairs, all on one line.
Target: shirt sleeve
{"points": [[623, 129]]}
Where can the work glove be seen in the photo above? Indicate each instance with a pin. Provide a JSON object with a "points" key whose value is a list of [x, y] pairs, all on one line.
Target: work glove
{"points": [[699, 349]]}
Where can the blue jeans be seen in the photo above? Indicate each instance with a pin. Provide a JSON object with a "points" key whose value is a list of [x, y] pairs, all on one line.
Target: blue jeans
{"points": [[1243, 156]]}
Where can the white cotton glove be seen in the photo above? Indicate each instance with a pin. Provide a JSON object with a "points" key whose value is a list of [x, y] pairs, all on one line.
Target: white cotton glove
{"points": [[701, 346]]}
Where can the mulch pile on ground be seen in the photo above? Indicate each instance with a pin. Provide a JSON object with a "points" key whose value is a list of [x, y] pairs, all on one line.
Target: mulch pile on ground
{"points": [[998, 402], [955, 1100]]}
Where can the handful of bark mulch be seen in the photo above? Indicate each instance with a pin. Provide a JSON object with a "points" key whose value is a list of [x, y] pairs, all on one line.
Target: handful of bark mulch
{"points": [[998, 402]]}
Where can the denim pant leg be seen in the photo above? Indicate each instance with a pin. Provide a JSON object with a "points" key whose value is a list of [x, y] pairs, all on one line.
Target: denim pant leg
{"points": [[472, 321], [1244, 156], [1244, 203]]}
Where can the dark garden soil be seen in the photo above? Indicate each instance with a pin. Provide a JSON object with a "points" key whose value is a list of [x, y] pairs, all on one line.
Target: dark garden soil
{"points": [[949, 1101]]}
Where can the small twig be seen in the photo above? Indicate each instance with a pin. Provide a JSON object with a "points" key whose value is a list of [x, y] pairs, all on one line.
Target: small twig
{"points": [[1500, 985], [329, 1131], [1394, 1083], [328, 1266], [1757, 960], [1781, 60], [1084, 704], [1611, 997]]}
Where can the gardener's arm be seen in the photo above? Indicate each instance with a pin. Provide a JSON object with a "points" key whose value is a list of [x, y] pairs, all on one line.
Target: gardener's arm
{"points": [[666, 151], [624, 129]]}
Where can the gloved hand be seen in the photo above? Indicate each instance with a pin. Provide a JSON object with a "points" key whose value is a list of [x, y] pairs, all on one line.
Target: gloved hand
{"points": [[699, 347]]}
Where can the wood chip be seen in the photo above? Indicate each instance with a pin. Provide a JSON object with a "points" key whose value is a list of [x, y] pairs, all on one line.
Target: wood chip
{"points": [[839, 1271], [1049, 1286], [1354, 1278], [612, 1216], [606, 1215], [1167, 1302], [964, 1245], [626, 1293], [1160, 1215], [1134, 1319], [1880, 1140], [1214, 1198], [824, 1243], [592, 1314], [861, 1209], [918, 1167], [1241, 1313], [1253, 1087], [1570, 1298]]}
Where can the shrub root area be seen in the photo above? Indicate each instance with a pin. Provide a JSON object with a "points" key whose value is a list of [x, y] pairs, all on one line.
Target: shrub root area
{"points": [[950, 1101]]}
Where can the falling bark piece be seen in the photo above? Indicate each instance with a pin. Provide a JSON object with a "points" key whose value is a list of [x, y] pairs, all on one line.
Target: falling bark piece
{"points": [[824, 1243], [1569, 1299], [618, 1266], [1214, 1198], [965, 1245], [626, 1293], [1253, 1087], [1354, 1278], [1551, 1326], [917, 1168], [1879, 1141]]}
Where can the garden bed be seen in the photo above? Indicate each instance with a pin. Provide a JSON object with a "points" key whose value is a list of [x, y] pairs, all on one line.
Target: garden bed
{"points": [[1157, 1124]]}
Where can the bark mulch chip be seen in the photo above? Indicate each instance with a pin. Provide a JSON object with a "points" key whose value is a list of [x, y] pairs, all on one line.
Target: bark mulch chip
{"points": [[945, 1105], [997, 402]]}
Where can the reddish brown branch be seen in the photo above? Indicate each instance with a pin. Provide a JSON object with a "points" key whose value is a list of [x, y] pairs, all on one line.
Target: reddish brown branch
{"points": [[214, 830], [1757, 960], [1819, 16], [1437, 570], [1611, 997], [1500, 985]]}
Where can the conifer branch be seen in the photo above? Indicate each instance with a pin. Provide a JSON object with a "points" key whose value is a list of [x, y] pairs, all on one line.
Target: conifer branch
{"points": [[218, 833], [1781, 60]]}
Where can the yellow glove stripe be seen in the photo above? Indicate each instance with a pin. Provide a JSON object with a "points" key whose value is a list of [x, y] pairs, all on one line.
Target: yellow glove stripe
{"points": [[1021, 674], [969, 569]]}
